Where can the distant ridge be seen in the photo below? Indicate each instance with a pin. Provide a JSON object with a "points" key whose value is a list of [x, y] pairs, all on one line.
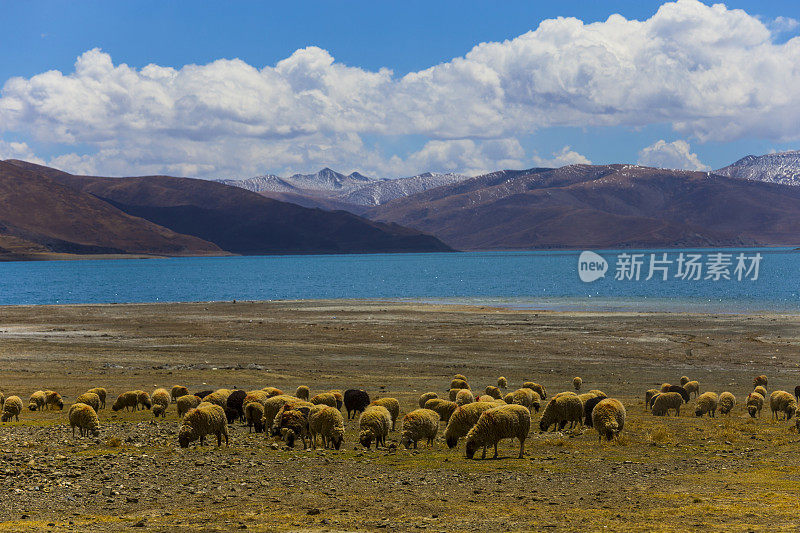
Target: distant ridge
{"points": [[781, 167]]}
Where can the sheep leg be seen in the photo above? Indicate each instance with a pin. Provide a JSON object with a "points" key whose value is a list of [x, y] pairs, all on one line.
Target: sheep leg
{"points": [[73, 431], [483, 455], [521, 447], [495, 451]]}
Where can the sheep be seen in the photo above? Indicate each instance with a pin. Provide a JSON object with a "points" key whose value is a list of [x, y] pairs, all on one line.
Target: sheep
{"points": [[224, 393], [161, 400], [502, 383], [325, 398], [293, 423], [392, 405], [273, 391], [680, 390], [464, 397], [707, 403], [217, 398], [761, 390], [599, 393], [665, 387], [355, 401], [727, 401], [452, 393], [458, 383], [203, 393], [303, 392], [417, 425], [177, 391], [526, 397], [577, 382], [84, 417], [271, 407], [684, 381], [507, 421], [486, 398], [493, 391], [588, 407], [143, 399], [755, 402], [37, 400], [101, 393], [424, 397], [648, 396], [535, 387], [53, 400], [12, 407], [255, 396], [462, 420], [89, 398], [2, 399], [374, 424], [205, 419], [760, 380], [235, 403], [291, 404], [128, 399], [254, 414], [608, 418], [462, 377], [782, 402], [562, 408], [797, 392], [443, 407], [187, 402], [339, 398], [653, 400], [664, 401], [693, 387], [327, 422]]}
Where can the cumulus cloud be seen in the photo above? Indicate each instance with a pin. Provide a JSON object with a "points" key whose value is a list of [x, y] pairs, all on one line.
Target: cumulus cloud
{"points": [[17, 150], [563, 157], [711, 72], [676, 155]]}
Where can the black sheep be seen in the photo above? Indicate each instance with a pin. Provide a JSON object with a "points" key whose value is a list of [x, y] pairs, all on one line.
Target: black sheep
{"points": [[797, 392], [235, 401], [203, 393], [680, 390], [355, 400], [588, 407]]}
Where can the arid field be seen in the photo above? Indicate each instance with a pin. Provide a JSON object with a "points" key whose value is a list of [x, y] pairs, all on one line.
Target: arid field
{"points": [[665, 473]]}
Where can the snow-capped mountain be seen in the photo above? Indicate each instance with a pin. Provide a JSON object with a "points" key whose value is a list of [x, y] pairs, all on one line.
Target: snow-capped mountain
{"points": [[781, 167], [330, 189]]}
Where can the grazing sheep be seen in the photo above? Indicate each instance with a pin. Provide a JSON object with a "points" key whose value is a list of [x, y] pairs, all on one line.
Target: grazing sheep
{"points": [[535, 387], [424, 397], [464, 397], [462, 420], [684, 381], [462, 377], [653, 399], [253, 415], [707, 403], [374, 424], [577, 382], [502, 383], [755, 402], [648, 396], [235, 403], [37, 400], [293, 423], [588, 407], [273, 391], [664, 401], [599, 393], [126, 400], [177, 391], [417, 425], [761, 390], [161, 400], [339, 398], [217, 398], [53, 400], [444, 408], [355, 401], [562, 408], [392, 405], [143, 399], [101, 393], [205, 419], [665, 387], [325, 398], [272, 406], [328, 423], [507, 421], [458, 383], [493, 391], [84, 417], [693, 387], [781, 401], [525, 397], [760, 380], [186, 402], [2, 399], [453, 393], [292, 404], [91, 399], [203, 393], [303, 392], [255, 396], [12, 407], [727, 401], [797, 392], [680, 390], [608, 418]]}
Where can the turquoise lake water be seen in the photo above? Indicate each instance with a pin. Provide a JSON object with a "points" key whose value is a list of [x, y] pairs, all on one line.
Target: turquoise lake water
{"points": [[531, 280]]}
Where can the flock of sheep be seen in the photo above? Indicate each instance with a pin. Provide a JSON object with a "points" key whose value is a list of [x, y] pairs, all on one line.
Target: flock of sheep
{"points": [[482, 420]]}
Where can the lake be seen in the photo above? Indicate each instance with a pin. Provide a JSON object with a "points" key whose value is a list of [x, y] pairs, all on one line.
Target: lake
{"points": [[528, 280]]}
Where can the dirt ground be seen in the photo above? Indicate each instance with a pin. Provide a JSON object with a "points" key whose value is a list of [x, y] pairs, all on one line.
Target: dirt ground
{"points": [[724, 473]]}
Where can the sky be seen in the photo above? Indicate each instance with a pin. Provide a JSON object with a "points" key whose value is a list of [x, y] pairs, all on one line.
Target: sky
{"points": [[390, 89]]}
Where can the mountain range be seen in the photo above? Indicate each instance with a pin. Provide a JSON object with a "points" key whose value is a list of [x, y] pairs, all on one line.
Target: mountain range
{"points": [[781, 167]]}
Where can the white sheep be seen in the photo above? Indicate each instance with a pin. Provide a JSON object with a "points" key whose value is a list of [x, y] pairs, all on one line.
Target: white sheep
{"points": [[303, 392], [493, 391], [374, 424], [443, 407], [424, 397], [693, 387], [85, 419], [11, 408], [177, 391], [37, 401], [187, 402], [781, 401], [328, 423], [507, 421], [205, 419], [392, 405], [464, 397], [254, 416], [324, 398], [89, 398], [707, 403], [126, 400], [727, 401], [101, 393], [755, 402], [417, 425], [502, 382], [608, 418], [562, 408], [577, 382], [535, 387], [664, 401], [463, 419], [161, 400]]}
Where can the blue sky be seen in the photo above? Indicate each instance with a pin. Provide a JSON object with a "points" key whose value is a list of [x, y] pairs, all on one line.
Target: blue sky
{"points": [[400, 126]]}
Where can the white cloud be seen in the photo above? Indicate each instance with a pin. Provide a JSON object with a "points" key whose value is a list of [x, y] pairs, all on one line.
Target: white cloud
{"points": [[17, 150], [712, 73], [676, 155], [565, 156]]}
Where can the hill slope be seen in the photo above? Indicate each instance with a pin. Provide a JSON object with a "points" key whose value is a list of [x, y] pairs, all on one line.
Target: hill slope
{"points": [[782, 167]]}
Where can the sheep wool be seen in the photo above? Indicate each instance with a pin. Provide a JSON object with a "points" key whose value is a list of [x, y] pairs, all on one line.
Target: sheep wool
{"points": [[205, 419], [101, 393], [648, 396], [53, 400], [85, 419], [608, 418], [463, 419], [271, 407], [253, 415], [444, 408], [374, 424], [527, 398], [187, 402], [663, 402], [577, 382], [761, 390], [493, 391], [755, 402], [419, 424], [293, 423], [303, 392], [599, 393], [325, 398], [727, 402], [161, 400], [177, 391], [502, 383], [355, 401], [126, 400], [392, 405], [424, 397], [12, 407], [37, 400], [464, 397], [692, 387], [781, 401], [458, 383], [665, 387], [292, 404], [562, 409], [217, 398], [328, 423], [272, 391], [143, 399], [684, 381], [339, 398], [256, 396], [535, 387], [707, 403], [462, 377], [507, 421], [90, 399], [760, 381]]}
